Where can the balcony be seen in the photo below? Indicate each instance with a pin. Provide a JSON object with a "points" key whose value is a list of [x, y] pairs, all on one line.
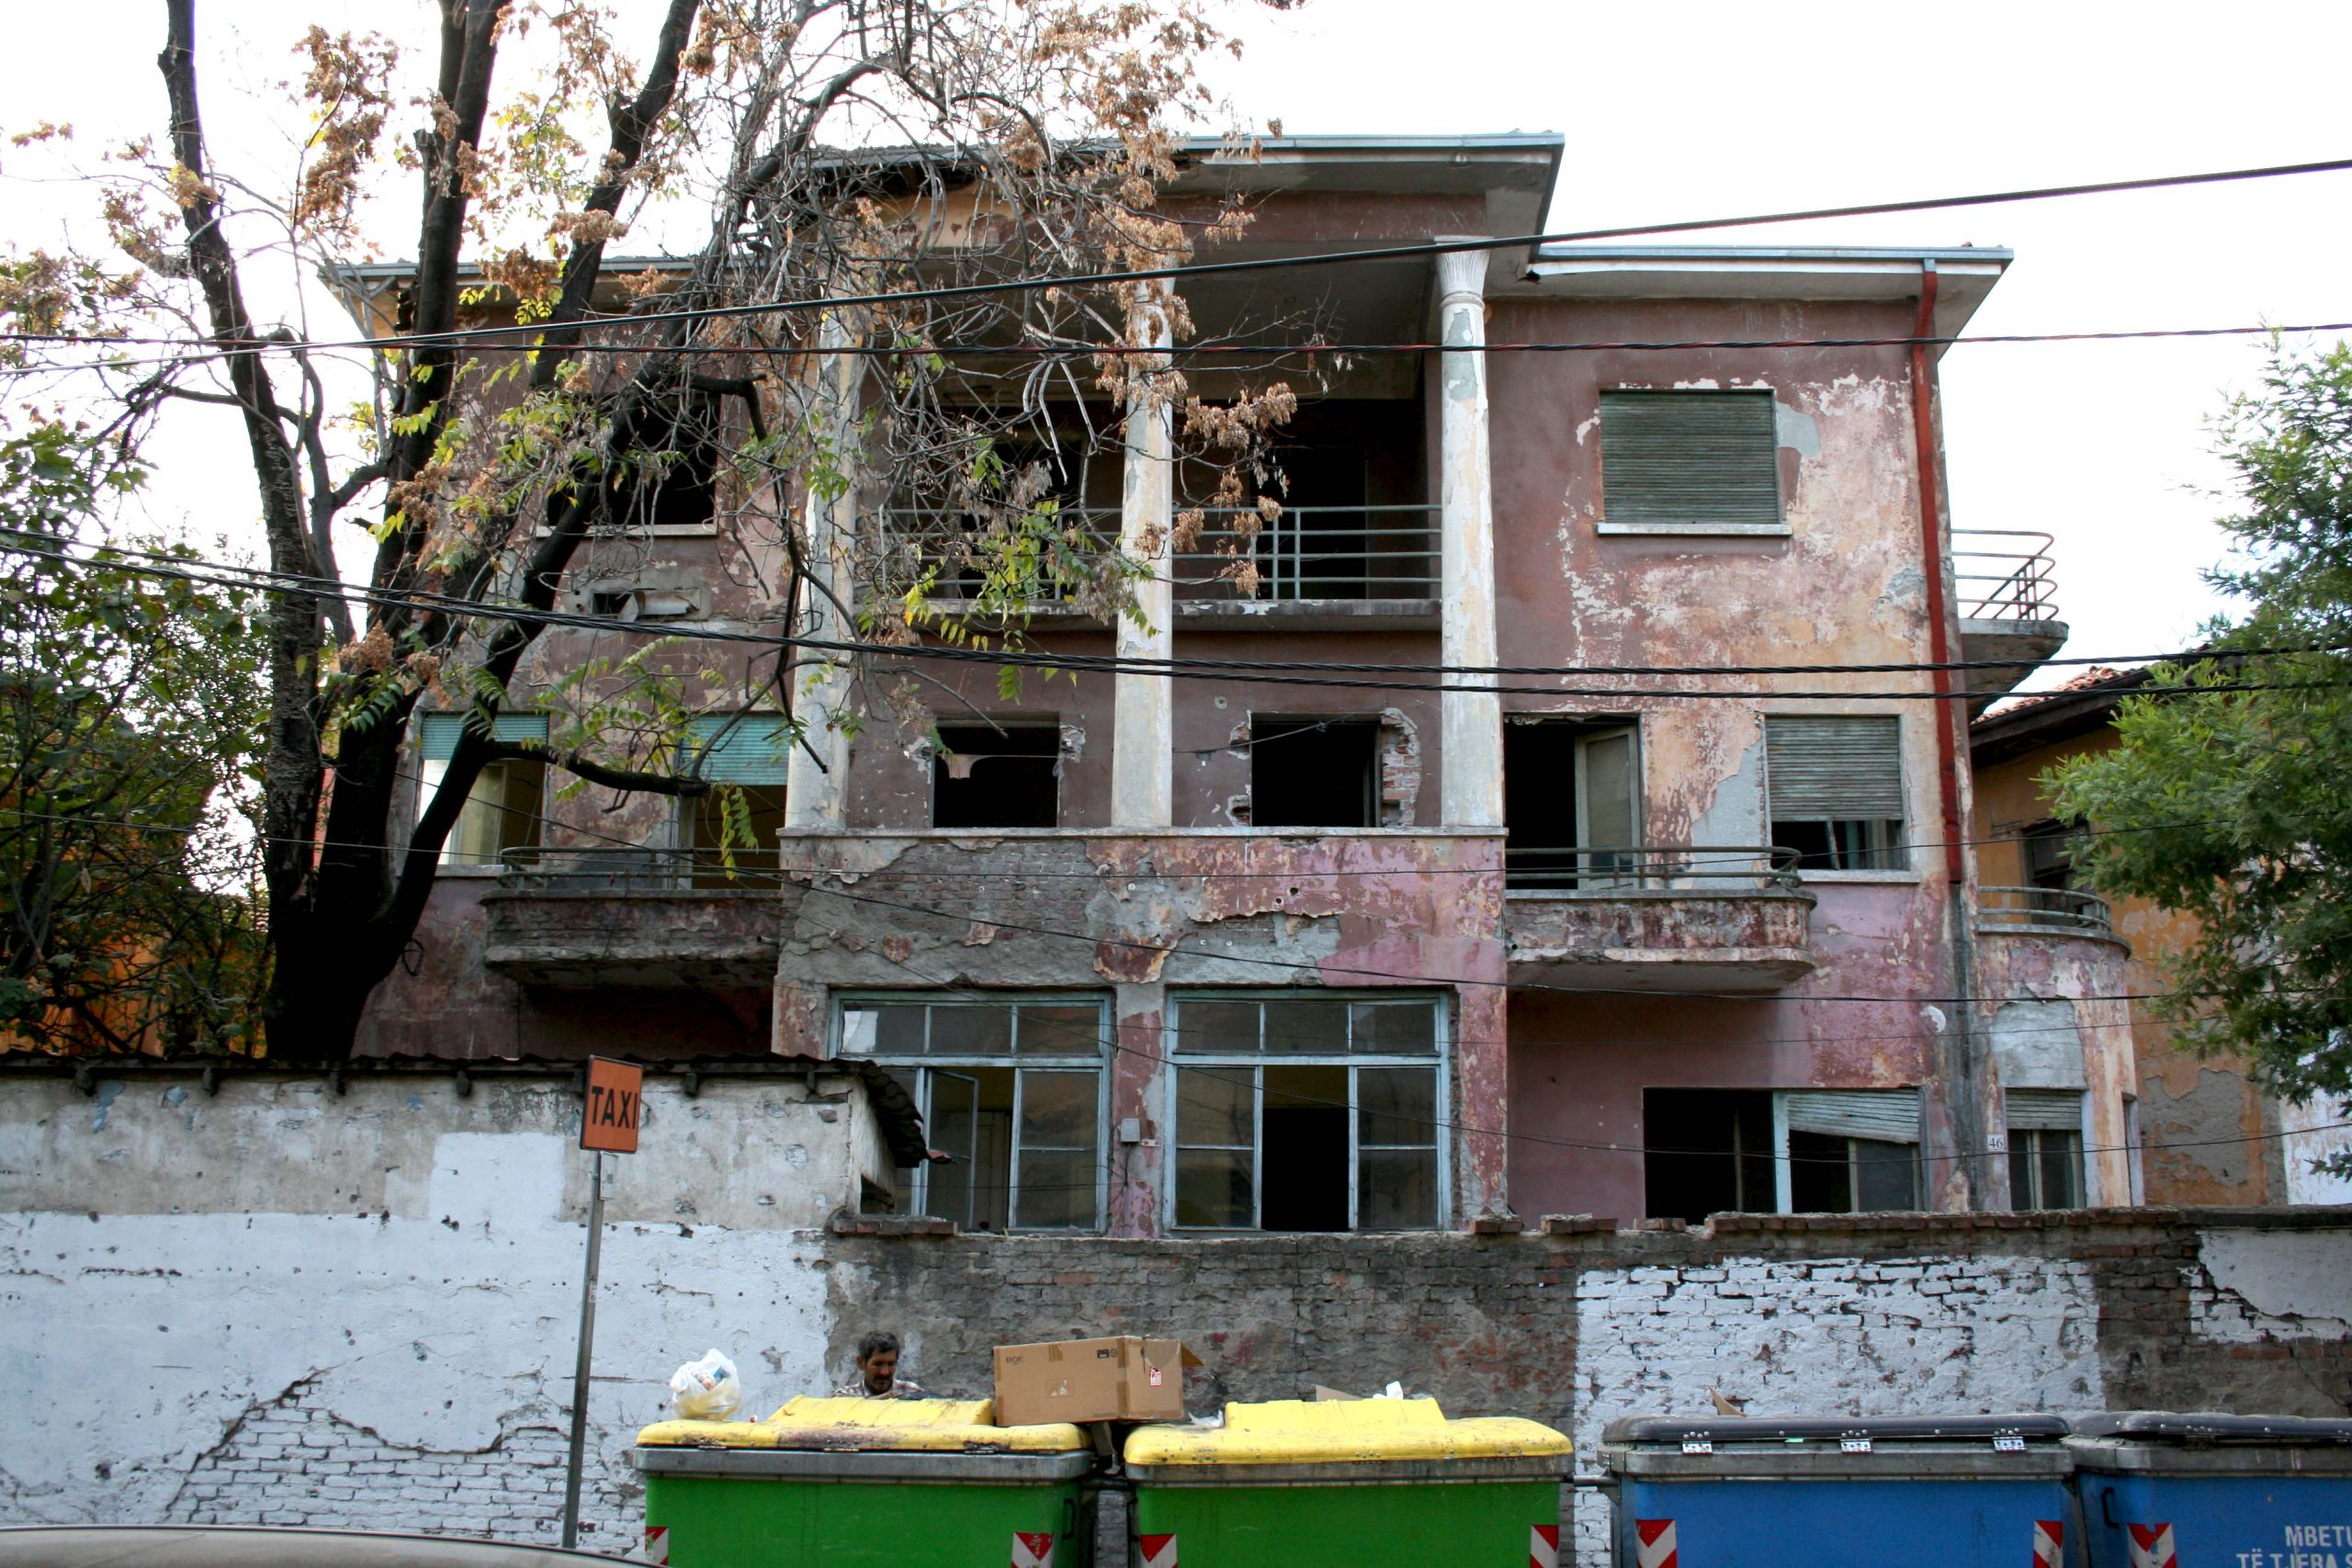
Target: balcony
{"points": [[634, 917], [1688, 918], [2009, 615], [2047, 912], [1312, 568]]}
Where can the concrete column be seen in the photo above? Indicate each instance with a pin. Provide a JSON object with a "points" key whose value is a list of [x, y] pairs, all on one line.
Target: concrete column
{"points": [[817, 800], [1470, 723], [1143, 793]]}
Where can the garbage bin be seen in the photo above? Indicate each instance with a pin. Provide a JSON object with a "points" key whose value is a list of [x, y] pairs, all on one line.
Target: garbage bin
{"points": [[865, 1484], [2266, 1491], [1364, 1482], [1928, 1492]]}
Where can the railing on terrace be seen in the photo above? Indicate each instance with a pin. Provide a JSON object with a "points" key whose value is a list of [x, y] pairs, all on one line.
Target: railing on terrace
{"points": [[2003, 574], [1645, 868], [2044, 908], [629, 868], [1313, 552]]}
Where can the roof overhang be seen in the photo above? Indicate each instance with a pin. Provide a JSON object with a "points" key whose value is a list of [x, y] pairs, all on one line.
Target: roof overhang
{"points": [[1964, 275]]}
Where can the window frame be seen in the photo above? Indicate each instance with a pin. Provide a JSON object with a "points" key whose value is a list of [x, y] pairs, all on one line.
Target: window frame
{"points": [[1438, 1061], [431, 771], [1901, 851], [1012, 1059]]}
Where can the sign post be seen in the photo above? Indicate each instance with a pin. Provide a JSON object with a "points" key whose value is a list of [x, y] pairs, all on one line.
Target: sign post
{"points": [[608, 1119]]}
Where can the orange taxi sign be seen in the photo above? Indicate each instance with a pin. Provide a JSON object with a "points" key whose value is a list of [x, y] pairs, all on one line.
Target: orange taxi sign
{"points": [[616, 1103]]}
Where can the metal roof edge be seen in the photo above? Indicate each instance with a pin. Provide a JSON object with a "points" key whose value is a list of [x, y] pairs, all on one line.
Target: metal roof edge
{"points": [[1999, 255]]}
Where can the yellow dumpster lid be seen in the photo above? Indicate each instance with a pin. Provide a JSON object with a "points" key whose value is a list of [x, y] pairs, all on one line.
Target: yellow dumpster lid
{"points": [[898, 1426], [1342, 1431]]}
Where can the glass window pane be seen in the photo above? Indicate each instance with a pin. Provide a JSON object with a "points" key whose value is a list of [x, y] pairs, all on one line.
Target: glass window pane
{"points": [[1061, 1031], [1393, 1029], [971, 1031], [2021, 1170], [1608, 792], [1213, 1188], [1058, 1109], [858, 1027], [897, 1031], [1215, 1105], [1303, 1027], [1057, 1190], [1396, 1189], [1396, 1105], [1886, 1176], [2061, 1170], [1222, 1027]]}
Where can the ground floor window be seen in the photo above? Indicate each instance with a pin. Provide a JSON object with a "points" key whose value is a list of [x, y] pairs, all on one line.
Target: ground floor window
{"points": [[1310, 1112], [1780, 1151], [2045, 1148], [1011, 1091]]}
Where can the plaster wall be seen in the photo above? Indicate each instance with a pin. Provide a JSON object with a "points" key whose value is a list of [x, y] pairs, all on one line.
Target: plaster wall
{"points": [[285, 1306]]}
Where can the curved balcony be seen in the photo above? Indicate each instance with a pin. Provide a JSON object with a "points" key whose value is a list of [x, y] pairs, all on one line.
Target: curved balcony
{"points": [[2053, 911], [2007, 604], [1677, 918]]}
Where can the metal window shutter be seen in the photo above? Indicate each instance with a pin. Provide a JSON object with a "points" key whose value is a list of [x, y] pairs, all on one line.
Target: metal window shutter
{"points": [[1889, 1115], [440, 731], [2050, 1110], [756, 751], [1835, 768], [1689, 457]]}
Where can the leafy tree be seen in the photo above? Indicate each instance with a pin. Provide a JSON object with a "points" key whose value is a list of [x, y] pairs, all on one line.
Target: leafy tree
{"points": [[2226, 796], [809, 151], [131, 713]]}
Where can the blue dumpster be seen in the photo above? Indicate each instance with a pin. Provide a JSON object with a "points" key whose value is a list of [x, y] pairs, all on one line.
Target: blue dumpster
{"points": [[1764, 1492], [2179, 1491]]}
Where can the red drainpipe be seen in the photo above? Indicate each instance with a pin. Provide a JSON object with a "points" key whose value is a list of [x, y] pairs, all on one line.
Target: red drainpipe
{"points": [[1932, 549]]}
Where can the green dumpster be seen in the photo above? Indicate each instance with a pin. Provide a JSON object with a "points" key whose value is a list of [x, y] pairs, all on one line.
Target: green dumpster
{"points": [[867, 1484], [1364, 1482]]}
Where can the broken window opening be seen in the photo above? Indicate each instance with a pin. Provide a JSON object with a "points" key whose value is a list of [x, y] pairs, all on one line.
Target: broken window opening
{"points": [[985, 776], [1572, 804], [1835, 784], [1314, 772], [1706, 1151], [676, 472], [1306, 1113], [1789, 1151], [502, 809], [1011, 1091]]}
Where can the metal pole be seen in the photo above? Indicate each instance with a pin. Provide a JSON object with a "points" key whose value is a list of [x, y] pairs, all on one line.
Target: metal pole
{"points": [[587, 1346]]}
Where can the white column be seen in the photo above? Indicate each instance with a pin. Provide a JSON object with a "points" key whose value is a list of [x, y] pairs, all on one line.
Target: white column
{"points": [[1470, 723], [1143, 761], [816, 801]]}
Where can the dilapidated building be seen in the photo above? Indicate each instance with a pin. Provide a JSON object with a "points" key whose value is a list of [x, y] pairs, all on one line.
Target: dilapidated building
{"points": [[1566, 811]]}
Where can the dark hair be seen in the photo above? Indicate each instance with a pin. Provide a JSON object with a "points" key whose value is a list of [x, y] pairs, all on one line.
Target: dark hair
{"points": [[874, 1344]]}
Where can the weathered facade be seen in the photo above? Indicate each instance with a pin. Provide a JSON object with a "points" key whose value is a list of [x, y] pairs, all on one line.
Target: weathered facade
{"points": [[2209, 1131], [1582, 925]]}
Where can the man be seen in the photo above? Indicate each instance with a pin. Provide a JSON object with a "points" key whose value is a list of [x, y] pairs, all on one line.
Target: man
{"points": [[877, 1371]]}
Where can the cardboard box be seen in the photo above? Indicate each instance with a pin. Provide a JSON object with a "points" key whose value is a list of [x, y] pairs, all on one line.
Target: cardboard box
{"points": [[1125, 1378]]}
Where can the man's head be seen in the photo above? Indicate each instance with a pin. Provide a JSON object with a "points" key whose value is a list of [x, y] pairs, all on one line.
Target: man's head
{"points": [[878, 1363]]}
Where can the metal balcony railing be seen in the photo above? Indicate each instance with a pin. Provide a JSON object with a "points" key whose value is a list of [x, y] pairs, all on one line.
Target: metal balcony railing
{"points": [[1695, 868], [2044, 908], [1315, 552], [629, 868], [2003, 574]]}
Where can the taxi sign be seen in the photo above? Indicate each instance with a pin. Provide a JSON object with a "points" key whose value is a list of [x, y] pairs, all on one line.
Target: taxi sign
{"points": [[615, 1102]]}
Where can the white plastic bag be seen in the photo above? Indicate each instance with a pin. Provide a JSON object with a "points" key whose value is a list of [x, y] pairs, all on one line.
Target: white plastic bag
{"points": [[706, 1390]]}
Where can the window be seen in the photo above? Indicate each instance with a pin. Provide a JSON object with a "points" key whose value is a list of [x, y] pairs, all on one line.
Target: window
{"points": [[989, 776], [502, 810], [1789, 1151], [1314, 772], [1852, 1151], [1572, 797], [1011, 1091], [1706, 1151], [2045, 1148], [1835, 788], [675, 471], [1689, 462], [734, 826], [1307, 1113]]}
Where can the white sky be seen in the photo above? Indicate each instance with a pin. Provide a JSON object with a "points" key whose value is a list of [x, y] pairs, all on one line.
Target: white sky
{"points": [[1670, 112]]}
